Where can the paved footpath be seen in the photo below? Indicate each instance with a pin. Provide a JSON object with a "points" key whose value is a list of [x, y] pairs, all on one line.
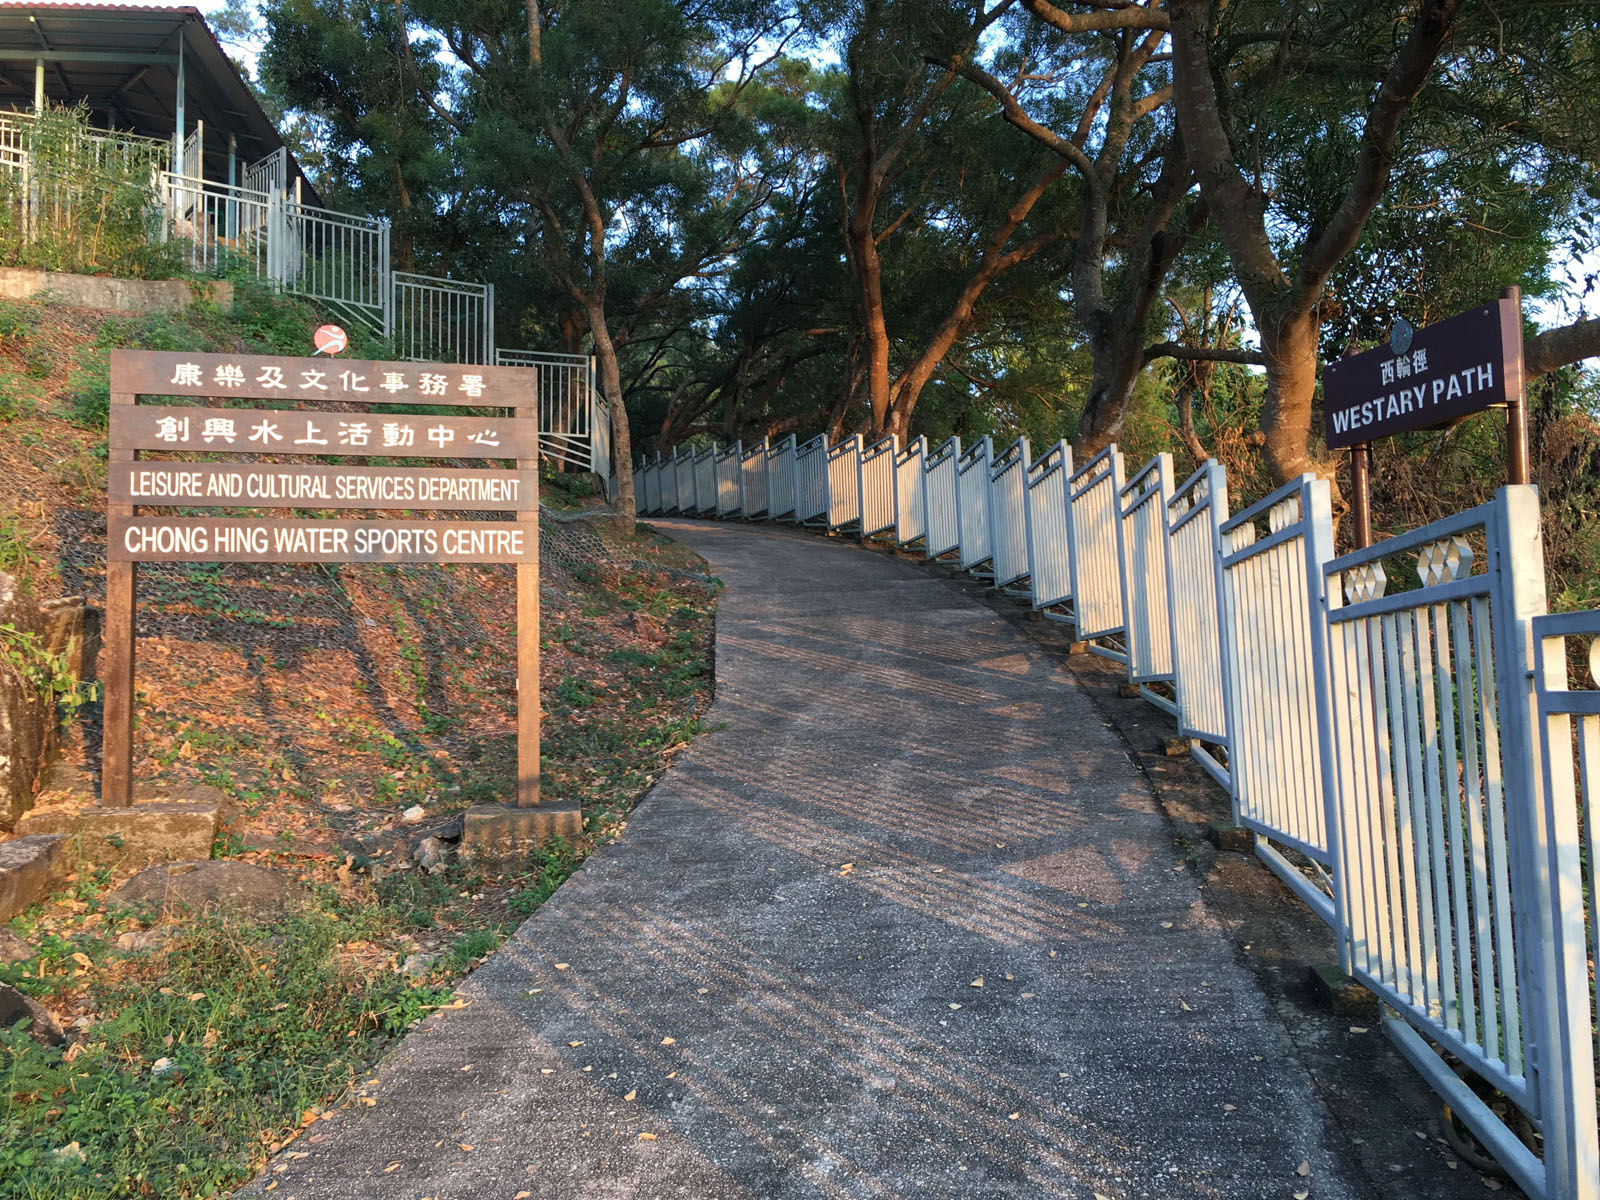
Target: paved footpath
{"points": [[770, 987]]}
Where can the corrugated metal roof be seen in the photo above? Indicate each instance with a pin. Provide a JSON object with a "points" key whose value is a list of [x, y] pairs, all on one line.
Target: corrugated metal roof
{"points": [[125, 74]]}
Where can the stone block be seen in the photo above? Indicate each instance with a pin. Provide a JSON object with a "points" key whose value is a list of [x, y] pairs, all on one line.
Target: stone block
{"points": [[29, 868], [499, 834], [167, 825], [1129, 691], [1233, 838], [1341, 994]]}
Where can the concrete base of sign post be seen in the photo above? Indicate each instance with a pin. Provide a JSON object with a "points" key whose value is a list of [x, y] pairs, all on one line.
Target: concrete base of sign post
{"points": [[499, 834], [1235, 839], [1341, 994], [162, 824]]}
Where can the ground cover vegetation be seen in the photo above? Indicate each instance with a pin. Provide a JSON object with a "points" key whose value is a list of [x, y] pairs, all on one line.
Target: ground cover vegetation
{"points": [[347, 714], [1143, 221]]}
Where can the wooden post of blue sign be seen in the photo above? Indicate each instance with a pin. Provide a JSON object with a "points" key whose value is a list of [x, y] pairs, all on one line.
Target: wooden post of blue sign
{"points": [[1361, 493], [1516, 406]]}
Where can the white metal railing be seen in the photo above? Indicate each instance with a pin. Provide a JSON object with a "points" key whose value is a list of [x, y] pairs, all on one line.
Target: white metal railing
{"points": [[574, 424], [941, 499], [730, 502], [705, 481], [683, 473], [1195, 516], [811, 481], [1276, 671], [1008, 513], [972, 500], [844, 483], [1049, 533], [753, 481], [442, 320], [1092, 506], [1415, 762], [876, 467], [910, 512], [780, 479], [1142, 516]]}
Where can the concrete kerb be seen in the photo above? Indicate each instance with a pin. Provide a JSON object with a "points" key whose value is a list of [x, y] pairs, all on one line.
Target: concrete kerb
{"points": [[163, 824]]}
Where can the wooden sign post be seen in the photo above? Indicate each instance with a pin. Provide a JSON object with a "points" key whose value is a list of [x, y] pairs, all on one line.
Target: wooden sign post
{"points": [[377, 418]]}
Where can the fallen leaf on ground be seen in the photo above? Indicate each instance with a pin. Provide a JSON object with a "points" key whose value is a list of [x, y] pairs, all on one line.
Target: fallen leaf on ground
{"points": [[464, 1145], [561, 966], [1358, 1029], [978, 982], [669, 1041], [547, 1070], [846, 869], [953, 1007], [632, 1095], [647, 1137], [1303, 1169], [522, 1195], [574, 1045]]}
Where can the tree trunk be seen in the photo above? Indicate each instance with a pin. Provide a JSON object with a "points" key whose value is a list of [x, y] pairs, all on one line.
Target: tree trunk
{"points": [[1289, 343], [611, 388], [1118, 360], [870, 272]]}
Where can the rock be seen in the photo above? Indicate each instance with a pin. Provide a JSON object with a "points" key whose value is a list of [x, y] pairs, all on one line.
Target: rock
{"points": [[162, 1066], [133, 942], [211, 885], [30, 867], [414, 815], [431, 854], [14, 949], [15, 1006], [418, 965]]}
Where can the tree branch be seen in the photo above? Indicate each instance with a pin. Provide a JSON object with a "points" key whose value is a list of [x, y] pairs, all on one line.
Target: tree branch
{"points": [[1556, 348], [1178, 350]]}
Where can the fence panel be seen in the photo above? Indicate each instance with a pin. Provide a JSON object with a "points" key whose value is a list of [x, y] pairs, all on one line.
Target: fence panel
{"points": [[1142, 512], [641, 489], [705, 481], [442, 320], [941, 503], [683, 477], [222, 227], [1049, 533], [972, 497], [1008, 513], [1277, 696], [780, 480], [753, 479], [600, 443], [811, 481], [1092, 507], [569, 405], [910, 512], [652, 486], [730, 480], [1195, 513], [844, 484], [877, 486], [1569, 728], [338, 258]]}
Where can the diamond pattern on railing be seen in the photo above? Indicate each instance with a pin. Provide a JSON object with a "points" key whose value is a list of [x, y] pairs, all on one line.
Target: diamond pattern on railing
{"points": [[1594, 662], [1179, 505], [1284, 513], [1365, 583], [1444, 560]]}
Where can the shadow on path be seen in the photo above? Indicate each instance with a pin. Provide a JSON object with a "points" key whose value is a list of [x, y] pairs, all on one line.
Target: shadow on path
{"points": [[909, 924]]}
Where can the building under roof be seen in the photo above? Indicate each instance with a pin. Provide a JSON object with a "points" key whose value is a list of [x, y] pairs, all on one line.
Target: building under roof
{"points": [[147, 71]]}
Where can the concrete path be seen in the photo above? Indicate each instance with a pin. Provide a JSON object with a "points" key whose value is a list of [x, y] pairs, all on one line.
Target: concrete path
{"points": [[771, 987]]}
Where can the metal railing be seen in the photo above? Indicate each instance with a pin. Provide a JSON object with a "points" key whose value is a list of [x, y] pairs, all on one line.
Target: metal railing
{"points": [[1420, 764], [1049, 534], [877, 486], [811, 481], [1142, 526], [730, 500], [753, 481], [972, 501], [442, 320], [844, 484], [910, 511], [1008, 513], [1093, 503], [780, 479], [705, 481]]}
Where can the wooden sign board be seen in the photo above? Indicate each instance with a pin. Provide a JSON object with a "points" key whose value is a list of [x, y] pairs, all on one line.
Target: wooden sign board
{"points": [[306, 485], [378, 418], [273, 431], [1449, 369]]}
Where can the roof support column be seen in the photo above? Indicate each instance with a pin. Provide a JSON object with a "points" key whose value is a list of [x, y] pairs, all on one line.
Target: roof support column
{"points": [[38, 86], [182, 130]]}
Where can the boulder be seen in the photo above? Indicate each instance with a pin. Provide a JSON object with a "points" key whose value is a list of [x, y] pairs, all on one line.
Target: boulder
{"points": [[13, 949], [15, 1006], [210, 886]]}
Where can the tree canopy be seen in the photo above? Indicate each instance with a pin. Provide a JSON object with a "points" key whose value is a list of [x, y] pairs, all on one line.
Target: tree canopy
{"points": [[1143, 220]]}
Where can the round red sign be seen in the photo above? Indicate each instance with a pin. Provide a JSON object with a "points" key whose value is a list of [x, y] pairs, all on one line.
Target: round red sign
{"points": [[330, 339]]}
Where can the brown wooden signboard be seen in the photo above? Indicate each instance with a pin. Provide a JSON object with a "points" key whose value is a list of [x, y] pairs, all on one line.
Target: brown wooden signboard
{"points": [[274, 431], [308, 485], [376, 417], [1447, 370]]}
